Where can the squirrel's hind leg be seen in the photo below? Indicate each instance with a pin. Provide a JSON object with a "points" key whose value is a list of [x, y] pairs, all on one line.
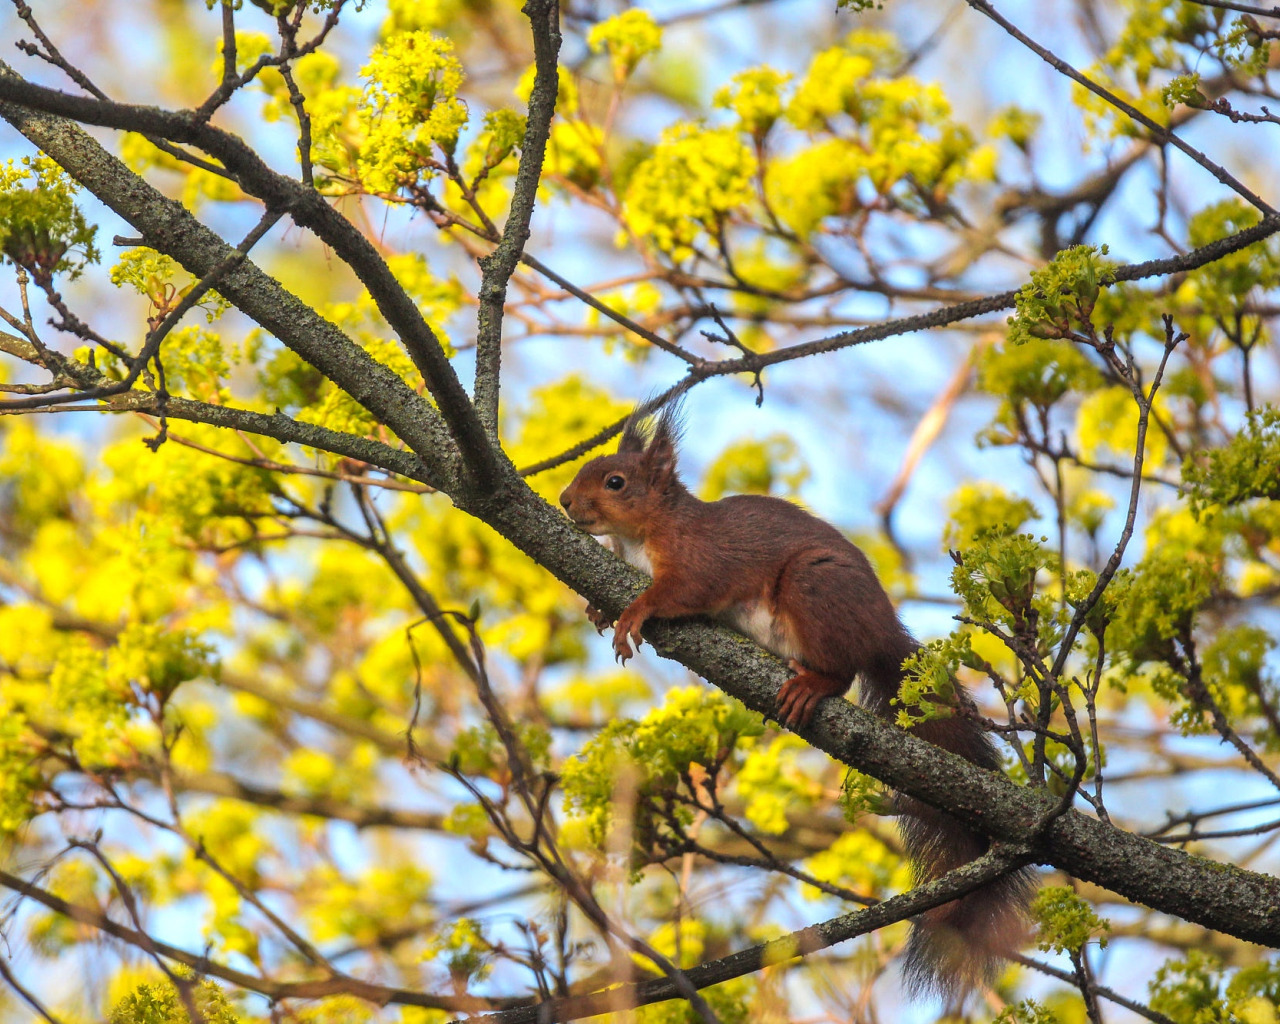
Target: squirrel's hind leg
{"points": [[843, 626], [815, 596]]}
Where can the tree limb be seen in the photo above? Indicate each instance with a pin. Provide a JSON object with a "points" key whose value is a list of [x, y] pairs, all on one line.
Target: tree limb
{"points": [[747, 961], [171, 229], [1245, 904], [336, 984], [499, 265]]}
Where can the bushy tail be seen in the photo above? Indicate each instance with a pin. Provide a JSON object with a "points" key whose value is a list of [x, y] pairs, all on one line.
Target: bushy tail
{"points": [[959, 946]]}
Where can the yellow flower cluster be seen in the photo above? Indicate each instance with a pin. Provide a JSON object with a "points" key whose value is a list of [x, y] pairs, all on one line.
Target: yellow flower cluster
{"points": [[410, 107], [818, 182], [686, 189], [874, 134], [41, 228], [755, 95], [628, 38]]}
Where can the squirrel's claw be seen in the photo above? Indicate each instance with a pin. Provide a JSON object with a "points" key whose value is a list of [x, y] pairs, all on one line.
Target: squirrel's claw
{"points": [[621, 648], [796, 701], [627, 633], [799, 696], [598, 619], [796, 709]]}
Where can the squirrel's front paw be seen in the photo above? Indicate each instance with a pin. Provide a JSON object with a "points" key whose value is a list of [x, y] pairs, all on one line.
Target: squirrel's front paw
{"points": [[628, 632], [598, 619]]}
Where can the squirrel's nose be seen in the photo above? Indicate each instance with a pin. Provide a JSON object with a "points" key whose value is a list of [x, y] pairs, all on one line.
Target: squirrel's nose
{"points": [[565, 500]]}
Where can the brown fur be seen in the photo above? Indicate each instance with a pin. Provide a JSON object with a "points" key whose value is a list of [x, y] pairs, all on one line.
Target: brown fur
{"points": [[799, 588]]}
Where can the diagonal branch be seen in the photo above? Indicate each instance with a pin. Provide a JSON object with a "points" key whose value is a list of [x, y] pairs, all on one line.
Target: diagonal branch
{"points": [[1109, 994], [278, 426], [603, 308], [156, 336], [27, 997], [947, 315], [335, 984], [943, 317], [1157, 130], [310, 210], [20, 98], [1246, 904], [169, 228], [950, 886]]}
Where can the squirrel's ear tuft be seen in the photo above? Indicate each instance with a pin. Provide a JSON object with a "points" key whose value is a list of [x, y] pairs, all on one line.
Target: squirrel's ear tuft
{"points": [[658, 442], [668, 428], [663, 449], [633, 434]]}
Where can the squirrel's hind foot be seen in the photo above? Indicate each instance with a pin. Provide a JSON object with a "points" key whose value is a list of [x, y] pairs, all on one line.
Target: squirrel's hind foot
{"points": [[799, 696]]}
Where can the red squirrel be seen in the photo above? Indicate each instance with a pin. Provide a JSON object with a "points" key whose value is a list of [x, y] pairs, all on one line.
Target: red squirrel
{"points": [[799, 588]]}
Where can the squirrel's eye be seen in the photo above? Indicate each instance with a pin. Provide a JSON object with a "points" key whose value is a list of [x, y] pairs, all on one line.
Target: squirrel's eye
{"points": [[615, 483]]}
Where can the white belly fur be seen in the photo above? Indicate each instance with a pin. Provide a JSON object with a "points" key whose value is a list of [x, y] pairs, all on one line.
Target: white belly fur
{"points": [[633, 553], [755, 620]]}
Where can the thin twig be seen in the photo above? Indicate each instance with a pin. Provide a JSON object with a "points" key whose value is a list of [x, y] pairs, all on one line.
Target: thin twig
{"points": [[1232, 5], [307, 989], [1111, 995], [151, 347], [993, 864], [1158, 130], [26, 995]]}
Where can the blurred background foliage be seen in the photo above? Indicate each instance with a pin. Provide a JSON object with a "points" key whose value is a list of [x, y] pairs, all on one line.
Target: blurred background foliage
{"points": [[226, 721]]}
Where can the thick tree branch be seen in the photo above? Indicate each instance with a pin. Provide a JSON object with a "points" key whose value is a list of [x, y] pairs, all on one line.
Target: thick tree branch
{"points": [[335, 230], [1243, 903], [1234, 901], [169, 228], [307, 207]]}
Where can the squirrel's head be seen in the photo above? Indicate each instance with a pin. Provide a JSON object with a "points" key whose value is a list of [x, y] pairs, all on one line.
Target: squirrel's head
{"points": [[619, 494]]}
